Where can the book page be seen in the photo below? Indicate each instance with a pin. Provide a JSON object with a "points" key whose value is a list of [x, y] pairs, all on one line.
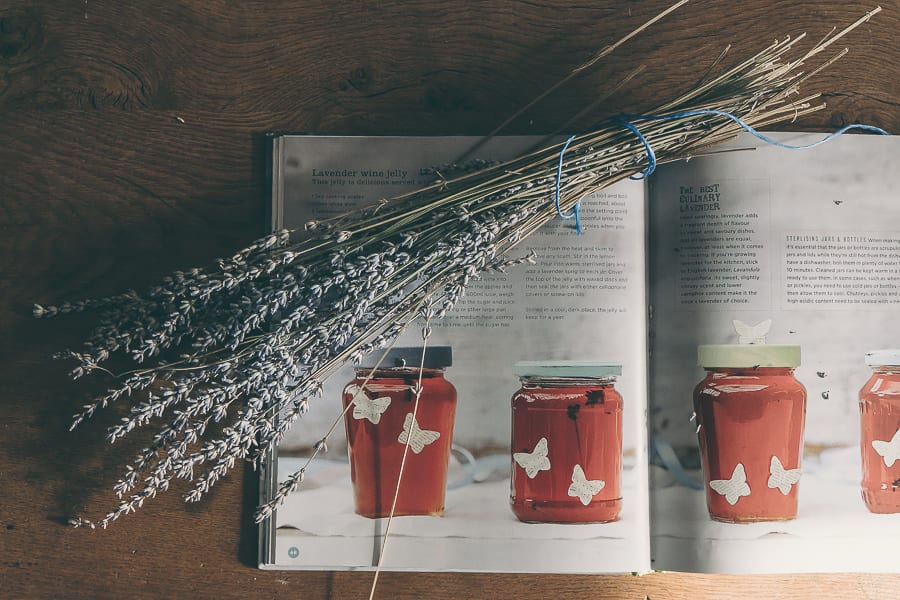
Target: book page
{"points": [[584, 299], [775, 247]]}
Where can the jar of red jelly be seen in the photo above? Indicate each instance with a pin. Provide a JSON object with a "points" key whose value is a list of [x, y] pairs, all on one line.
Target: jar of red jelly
{"points": [[879, 407], [566, 443], [751, 412], [384, 416]]}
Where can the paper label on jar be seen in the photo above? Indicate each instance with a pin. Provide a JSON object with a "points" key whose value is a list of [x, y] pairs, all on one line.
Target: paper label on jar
{"points": [[367, 408], [418, 437], [733, 489], [889, 451], [782, 478], [534, 462], [583, 488]]}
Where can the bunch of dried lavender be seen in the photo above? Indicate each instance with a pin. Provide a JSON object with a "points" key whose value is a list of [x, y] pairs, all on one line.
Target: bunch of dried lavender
{"points": [[248, 341]]}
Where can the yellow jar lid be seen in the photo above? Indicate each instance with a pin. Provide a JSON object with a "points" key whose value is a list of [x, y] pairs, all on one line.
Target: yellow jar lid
{"points": [[748, 355]]}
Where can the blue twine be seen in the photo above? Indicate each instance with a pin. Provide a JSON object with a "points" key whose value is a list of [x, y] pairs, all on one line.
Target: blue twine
{"points": [[576, 211], [651, 156], [662, 454]]}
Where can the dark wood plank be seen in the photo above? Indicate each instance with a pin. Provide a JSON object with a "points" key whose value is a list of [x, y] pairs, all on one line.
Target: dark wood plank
{"points": [[131, 144]]}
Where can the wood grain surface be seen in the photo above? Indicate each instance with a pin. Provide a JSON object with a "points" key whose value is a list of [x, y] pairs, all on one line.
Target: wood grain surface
{"points": [[132, 140]]}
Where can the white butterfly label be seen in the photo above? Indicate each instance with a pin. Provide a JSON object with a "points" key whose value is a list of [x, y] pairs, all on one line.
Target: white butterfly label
{"points": [[583, 488], [418, 437], [782, 478], [534, 462], [368, 408], [888, 451], [733, 489], [752, 334]]}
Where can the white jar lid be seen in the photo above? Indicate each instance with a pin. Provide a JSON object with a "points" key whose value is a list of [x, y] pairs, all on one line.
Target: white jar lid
{"points": [[883, 358], [747, 356]]}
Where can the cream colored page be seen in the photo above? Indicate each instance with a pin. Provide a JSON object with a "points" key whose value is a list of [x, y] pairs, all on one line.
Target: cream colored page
{"points": [[584, 299], [801, 246]]}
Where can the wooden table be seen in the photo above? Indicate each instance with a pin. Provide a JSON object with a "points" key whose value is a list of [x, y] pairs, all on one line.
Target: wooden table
{"points": [[132, 144]]}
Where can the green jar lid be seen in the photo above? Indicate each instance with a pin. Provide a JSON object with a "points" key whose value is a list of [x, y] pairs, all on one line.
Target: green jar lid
{"points": [[566, 368], [748, 355]]}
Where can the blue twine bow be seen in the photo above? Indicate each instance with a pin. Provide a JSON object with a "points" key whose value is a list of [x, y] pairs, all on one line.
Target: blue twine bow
{"points": [[651, 155], [576, 210]]}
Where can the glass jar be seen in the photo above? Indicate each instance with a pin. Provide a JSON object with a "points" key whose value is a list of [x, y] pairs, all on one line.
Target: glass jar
{"points": [[879, 407], [380, 422], [751, 413], [566, 443]]}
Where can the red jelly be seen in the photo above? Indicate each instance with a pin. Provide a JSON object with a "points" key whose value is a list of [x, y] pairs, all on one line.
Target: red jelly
{"points": [[751, 412], [380, 422], [879, 407], [566, 443]]}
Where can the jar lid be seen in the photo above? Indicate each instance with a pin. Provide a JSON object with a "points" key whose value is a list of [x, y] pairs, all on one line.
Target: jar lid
{"points": [[565, 368], [883, 358], [436, 357], [748, 355]]}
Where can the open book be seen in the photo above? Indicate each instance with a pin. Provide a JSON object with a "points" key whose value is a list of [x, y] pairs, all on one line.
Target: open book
{"points": [[794, 254]]}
